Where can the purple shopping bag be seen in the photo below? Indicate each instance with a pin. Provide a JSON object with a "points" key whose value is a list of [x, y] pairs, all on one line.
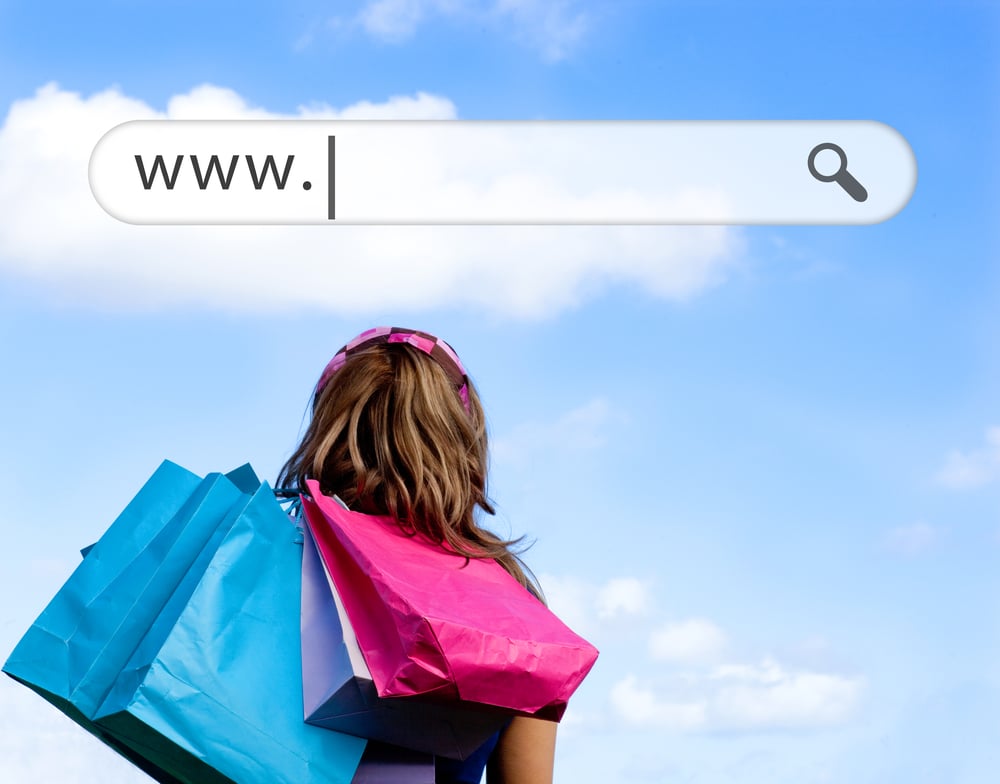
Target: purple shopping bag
{"points": [[384, 764]]}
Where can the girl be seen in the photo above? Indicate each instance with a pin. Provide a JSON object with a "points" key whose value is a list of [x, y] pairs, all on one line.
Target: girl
{"points": [[398, 429]]}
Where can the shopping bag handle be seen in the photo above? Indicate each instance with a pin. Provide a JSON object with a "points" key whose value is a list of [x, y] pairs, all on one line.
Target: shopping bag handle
{"points": [[291, 503], [293, 508]]}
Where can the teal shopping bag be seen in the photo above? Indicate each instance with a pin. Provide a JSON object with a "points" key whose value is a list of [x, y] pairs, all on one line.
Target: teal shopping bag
{"points": [[214, 694], [185, 709], [76, 647]]}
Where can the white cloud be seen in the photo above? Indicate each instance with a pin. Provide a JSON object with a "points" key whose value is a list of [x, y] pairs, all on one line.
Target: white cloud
{"points": [[221, 103], [741, 698], [767, 695], [641, 706], [696, 640], [699, 692], [582, 428], [622, 596], [393, 20], [912, 539], [571, 599], [976, 467], [52, 231], [422, 106], [552, 27], [576, 723], [584, 606]]}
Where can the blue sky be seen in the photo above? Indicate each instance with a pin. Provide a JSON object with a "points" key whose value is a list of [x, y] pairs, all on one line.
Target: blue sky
{"points": [[761, 466]]}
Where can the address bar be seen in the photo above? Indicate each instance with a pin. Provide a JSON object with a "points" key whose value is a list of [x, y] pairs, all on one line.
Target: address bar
{"points": [[502, 172]]}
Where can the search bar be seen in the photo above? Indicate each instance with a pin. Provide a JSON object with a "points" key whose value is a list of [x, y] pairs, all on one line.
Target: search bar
{"points": [[503, 172]]}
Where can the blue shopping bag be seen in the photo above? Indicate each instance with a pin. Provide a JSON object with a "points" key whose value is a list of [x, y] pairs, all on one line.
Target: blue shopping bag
{"points": [[209, 690], [85, 635], [221, 680]]}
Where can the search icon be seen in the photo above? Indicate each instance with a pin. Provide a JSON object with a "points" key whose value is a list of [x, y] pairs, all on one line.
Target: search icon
{"points": [[841, 176]]}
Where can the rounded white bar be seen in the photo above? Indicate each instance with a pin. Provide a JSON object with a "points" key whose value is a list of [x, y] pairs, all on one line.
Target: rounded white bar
{"points": [[505, 172]]}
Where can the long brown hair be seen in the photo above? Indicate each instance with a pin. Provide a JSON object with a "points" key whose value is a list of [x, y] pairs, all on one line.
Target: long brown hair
{"points": [[390, 435]]}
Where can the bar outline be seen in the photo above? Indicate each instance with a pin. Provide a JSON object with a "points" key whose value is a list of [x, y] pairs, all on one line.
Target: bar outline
{"points": [[331, 175]]}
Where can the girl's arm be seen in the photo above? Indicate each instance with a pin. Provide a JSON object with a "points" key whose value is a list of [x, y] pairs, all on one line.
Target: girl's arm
{"points": [[525, 753]]}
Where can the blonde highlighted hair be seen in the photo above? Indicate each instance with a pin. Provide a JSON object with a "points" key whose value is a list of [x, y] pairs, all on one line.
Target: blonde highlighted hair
{"points": [[390, 435]]}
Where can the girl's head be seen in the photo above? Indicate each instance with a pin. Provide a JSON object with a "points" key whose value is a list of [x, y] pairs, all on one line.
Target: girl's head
{"points": [[397, 429]]}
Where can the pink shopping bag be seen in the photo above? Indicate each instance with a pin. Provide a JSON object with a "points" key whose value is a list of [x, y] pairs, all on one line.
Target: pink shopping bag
{"points": [[338, 692], [431, 623]]}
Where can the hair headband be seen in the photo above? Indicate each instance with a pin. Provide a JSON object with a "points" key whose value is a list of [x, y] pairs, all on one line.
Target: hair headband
{"points": [[433, 347]]}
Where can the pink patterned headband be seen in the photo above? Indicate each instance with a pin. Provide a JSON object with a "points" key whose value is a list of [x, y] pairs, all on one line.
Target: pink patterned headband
{"points": [[433, 347]]}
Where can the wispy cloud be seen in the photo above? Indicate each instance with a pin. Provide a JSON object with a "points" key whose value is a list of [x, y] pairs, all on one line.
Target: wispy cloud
{"points": [[972, 468], [394, 21], [553, 28], [691, 683], [571, 598], [768, 695], [910, 540], [740, 697], [220, 103], [585, 605], [583, 428], [689, 680], [696, 640], [622, 596], [639, 705], [515, 271]]}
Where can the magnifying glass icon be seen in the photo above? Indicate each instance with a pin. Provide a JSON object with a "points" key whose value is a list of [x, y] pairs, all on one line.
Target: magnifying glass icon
{"points": [[841, 176]]}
